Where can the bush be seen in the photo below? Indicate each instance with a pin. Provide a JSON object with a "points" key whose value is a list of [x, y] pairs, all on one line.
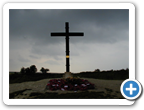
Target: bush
{"points": [[43, 70], [33, 69], [29, 70], [22, 71], [97, 70]]}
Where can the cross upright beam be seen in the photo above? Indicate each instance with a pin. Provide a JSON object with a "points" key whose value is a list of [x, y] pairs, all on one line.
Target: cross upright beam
{"points": [[67, 34]]}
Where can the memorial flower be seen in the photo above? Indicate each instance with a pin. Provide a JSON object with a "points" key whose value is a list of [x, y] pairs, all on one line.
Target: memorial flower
{"points": [[71, 84]]}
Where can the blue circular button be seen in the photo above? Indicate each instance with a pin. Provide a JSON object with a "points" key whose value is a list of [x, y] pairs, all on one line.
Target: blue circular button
{"points": [[130, 89]]}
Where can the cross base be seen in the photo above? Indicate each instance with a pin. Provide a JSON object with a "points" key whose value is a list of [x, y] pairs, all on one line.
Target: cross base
{"points": [[67, 74]]}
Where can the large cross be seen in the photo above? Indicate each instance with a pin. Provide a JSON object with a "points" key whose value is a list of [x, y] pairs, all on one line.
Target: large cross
{"points": [[67, 34]]}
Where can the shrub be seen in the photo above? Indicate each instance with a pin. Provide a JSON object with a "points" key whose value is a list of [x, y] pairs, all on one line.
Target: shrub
{"points": [[97, 70], [33, 69], [43, 70], [27, 70], [22, 71]]}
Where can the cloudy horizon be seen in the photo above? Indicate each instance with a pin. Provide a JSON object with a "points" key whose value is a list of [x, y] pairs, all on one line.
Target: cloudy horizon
{"points": [[104, 46]]}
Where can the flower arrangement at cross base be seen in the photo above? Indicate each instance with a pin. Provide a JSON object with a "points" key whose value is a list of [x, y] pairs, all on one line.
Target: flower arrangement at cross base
{"points": [[70, 84]]}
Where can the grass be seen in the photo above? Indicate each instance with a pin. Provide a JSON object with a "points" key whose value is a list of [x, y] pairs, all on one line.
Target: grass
{"points": [[79, 95], [108, 75], [14, 94], [19, 78], [108, 90]]}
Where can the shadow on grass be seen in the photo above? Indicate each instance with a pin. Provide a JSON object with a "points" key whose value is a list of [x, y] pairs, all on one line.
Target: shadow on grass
{"points": [[79, 95], [14, 94]]}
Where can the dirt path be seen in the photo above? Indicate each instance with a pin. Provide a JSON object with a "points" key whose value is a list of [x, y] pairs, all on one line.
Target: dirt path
{"points": [[112, 86]]}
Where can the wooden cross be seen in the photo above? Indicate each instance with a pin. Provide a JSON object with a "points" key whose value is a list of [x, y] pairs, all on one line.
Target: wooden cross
{"points": [[67, 34]]}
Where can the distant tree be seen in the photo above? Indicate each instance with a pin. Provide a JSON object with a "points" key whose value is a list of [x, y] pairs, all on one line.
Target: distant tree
{"points": [[97, 70], [22, 71], [127, 69], [46, 70], [27, 70], [122, 70], [111, 70], [33, 69], [43, 70]]}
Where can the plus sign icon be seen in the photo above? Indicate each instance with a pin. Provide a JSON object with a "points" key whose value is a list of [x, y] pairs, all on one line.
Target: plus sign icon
{"points": [[131, 89]]}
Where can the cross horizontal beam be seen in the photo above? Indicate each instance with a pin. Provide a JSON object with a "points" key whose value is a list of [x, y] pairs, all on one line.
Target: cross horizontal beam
{"points": [[68, 34]]}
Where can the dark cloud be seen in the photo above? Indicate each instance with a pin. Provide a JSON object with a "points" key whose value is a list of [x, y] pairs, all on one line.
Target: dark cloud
{"points": [[38, 24]]}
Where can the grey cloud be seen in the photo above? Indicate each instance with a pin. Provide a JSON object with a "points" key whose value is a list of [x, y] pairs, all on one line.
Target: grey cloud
{"points": [[52, 62], [55, 51], [33, 56], [48, 50], [22, 59], [57, 58]]}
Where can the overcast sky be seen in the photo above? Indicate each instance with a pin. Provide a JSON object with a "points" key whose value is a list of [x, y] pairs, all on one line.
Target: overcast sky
{"points": [[104, 46]]}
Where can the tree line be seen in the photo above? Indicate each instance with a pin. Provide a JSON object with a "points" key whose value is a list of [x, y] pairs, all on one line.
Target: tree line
{"points": [[106, 74], [32, 70], [28, 74]]}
